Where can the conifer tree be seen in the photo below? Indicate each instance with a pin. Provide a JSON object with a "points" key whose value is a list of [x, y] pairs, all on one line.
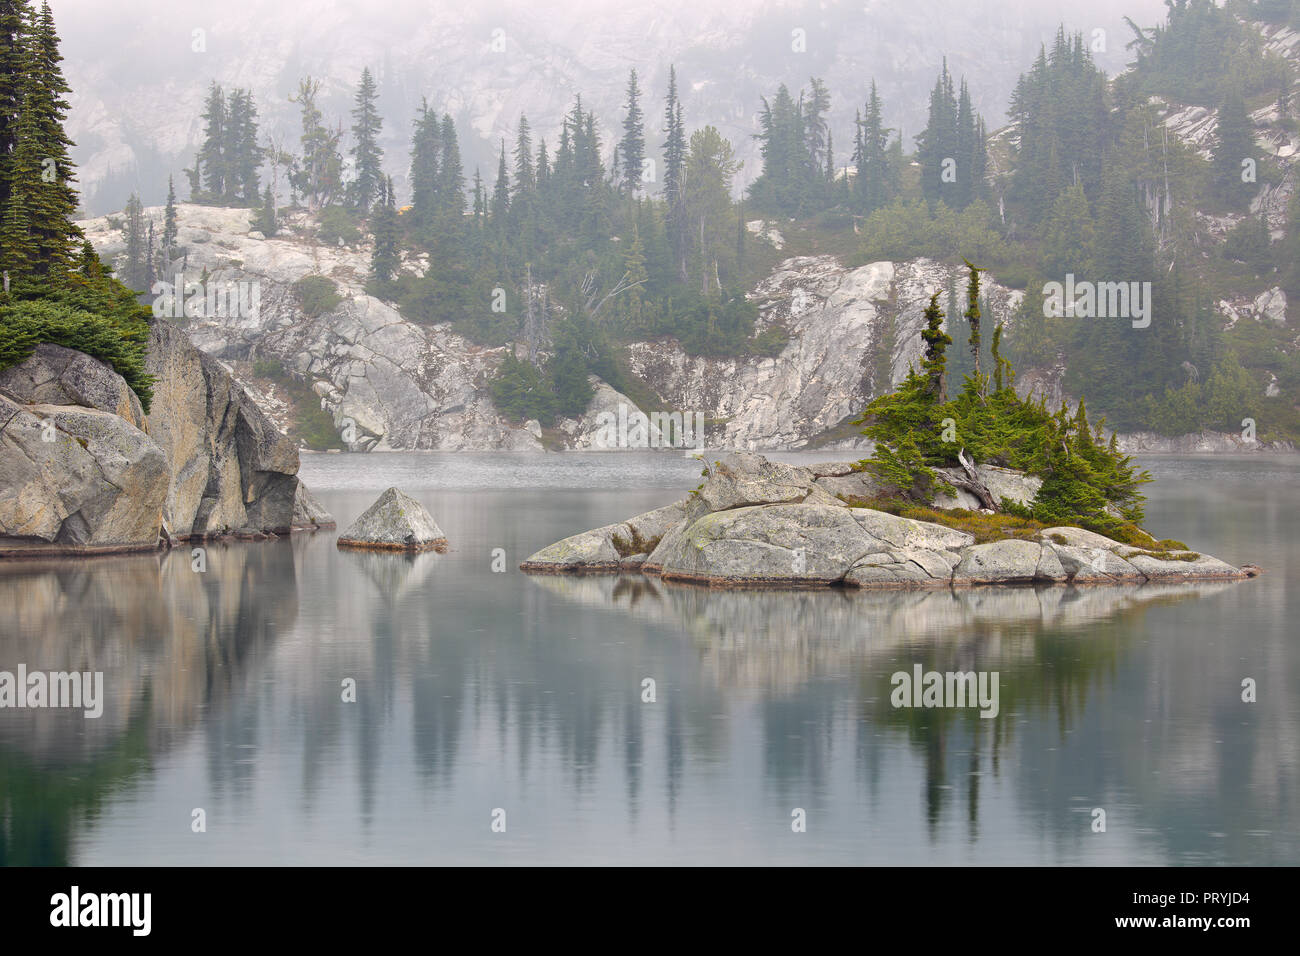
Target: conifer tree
{"points": [[13, 73], [242, 154], [319, 177], [426, 159], [632, 145], [367, 154], [170, 229], [501, 193], [210, 164], [384, 260], [1235, 145], [265, 220], [524, 178], [674, 147], [134, 272], [451, 176], [934, 364], [37, 228]]}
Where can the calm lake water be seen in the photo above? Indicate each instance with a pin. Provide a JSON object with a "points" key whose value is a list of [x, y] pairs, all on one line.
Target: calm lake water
{"points": [[479, 691]]}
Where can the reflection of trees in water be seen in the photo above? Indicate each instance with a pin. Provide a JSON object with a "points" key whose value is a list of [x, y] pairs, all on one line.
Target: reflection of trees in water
{"points": [[174, 645], [1052, 648]]}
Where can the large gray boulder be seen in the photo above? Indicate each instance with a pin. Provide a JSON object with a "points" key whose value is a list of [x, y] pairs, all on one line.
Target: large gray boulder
{"points": [[233, 472], [395, 522], [613, 546], [77, 480], [54, 375], [308, 513], [794, 544], [742, 478]]}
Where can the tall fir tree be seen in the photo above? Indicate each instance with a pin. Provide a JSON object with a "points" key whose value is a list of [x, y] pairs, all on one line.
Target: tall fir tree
{"points": [[38, 232], [384, 224], [1234, 151], [171, 229], [208, 178], [426, 160], [319, 176], [632, 145], [674, 147], [501, 194], [367, 154]]}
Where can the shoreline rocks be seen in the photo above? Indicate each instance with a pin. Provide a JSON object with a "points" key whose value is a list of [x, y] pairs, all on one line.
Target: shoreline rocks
{"points": [[760, 524], [86, 471], [395, 522]]}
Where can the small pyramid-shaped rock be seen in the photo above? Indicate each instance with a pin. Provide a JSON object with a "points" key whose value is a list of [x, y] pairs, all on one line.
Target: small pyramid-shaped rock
{"points": [[395, 522]]}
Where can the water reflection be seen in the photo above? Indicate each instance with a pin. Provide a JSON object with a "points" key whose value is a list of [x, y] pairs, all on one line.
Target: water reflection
{"points": [[174, 644], [478, 690]]}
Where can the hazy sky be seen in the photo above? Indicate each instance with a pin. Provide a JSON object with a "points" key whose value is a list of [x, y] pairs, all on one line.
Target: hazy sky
{"points": [[140, 69]]}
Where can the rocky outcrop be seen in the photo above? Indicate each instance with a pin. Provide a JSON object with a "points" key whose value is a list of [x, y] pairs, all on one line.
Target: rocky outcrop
{"points": [[308, 513], [392, 383], [86, 471], [233, 472], [1197, 443], [854, 333], [756, 523], [395, 522], [77, 480], [54, 375]]}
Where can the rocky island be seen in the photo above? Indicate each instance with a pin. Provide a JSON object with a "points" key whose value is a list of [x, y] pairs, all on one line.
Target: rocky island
{"points": [[982, 488], [759, 523]]}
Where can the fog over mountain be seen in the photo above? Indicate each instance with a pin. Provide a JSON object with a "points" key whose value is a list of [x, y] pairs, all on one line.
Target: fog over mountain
{"points": [[139, 79]]}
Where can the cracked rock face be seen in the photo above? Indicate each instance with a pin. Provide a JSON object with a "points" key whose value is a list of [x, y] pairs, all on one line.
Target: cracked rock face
{"points": [[756, 523], [53, 375], [840, 322], [77, 480], [233, 471], [86, 471]]}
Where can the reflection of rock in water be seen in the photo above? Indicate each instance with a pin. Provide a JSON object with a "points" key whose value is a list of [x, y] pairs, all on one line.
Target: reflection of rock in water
{"points": [[173, 644], [781, 639], [170, 640], [394, 573]]}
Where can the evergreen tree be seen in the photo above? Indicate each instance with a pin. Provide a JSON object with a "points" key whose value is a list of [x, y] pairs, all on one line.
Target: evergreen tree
{"points": [[170, 228], [500, 193], [816, 131], [674, 147], [1235, 145], [936, 147], [934, 364], [874, 184], [384, 260], [451, 176], [134, 272], [319, 177], [210, 164], [264, 220], [426, 159], [525, 181], [14, 16], [367, 154], [242, 155], [632, 145], [37, 229]]}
